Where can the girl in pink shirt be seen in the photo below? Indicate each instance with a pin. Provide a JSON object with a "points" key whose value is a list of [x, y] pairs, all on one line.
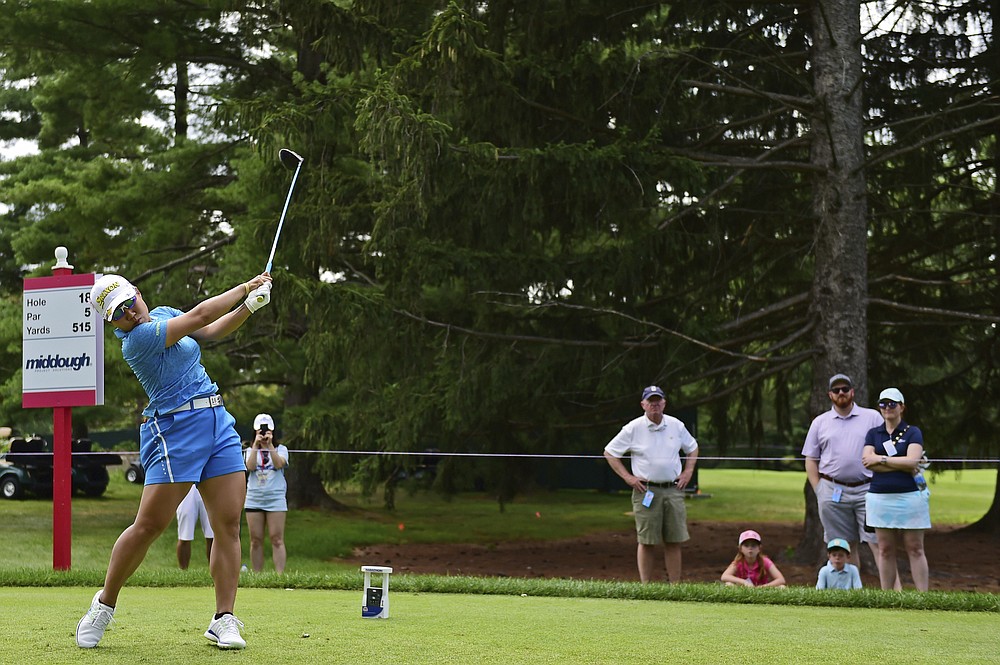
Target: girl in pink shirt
{"points": [[751, 567]]}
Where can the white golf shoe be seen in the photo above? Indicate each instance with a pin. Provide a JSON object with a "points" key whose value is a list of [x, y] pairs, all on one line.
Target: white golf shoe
{"points": [[225, 632], [91, 628]]}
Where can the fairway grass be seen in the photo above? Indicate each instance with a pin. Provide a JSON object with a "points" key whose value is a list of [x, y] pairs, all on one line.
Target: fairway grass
{"points": [[165, 625]]}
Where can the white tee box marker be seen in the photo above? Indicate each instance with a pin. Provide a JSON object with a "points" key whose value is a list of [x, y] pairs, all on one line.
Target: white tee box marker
{"points": [[375, 600]]}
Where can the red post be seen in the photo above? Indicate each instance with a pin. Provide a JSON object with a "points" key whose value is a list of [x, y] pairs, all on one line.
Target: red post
{"points": [[62, 487], [62, 477]]}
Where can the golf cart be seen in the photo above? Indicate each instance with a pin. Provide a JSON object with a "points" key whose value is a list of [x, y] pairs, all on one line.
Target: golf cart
{"points": [[135, 473], [27, 469]]}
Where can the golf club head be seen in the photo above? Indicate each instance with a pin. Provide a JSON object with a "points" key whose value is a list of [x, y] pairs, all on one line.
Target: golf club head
{"points": [[289, 159]]}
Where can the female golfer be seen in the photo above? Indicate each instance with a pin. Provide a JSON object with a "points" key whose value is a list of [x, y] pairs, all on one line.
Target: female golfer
{"points": [[188, 437]]}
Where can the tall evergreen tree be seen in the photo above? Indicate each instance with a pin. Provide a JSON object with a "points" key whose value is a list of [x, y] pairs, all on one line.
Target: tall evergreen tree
{"points": [[132, 170], [513, 214]]}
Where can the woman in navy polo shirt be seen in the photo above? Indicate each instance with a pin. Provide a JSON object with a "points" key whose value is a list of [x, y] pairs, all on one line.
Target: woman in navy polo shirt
{"points": [[896, 506]]}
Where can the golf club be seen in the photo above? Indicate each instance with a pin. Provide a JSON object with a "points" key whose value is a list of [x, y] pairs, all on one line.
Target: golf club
{"points": [[290, 160]]}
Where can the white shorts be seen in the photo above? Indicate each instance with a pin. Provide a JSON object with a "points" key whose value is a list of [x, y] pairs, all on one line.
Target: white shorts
{"points": [[190, 511]]}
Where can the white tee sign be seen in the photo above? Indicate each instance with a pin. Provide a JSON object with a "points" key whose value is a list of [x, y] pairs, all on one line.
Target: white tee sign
{"points": [[63, 343]]}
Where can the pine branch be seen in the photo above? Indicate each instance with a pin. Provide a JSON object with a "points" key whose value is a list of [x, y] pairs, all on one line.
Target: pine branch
{"points": [[791, 361], [726, 369], [934, 311], [207, 249], [765, 311], [656, 326], [804, 104], [517, 338], [711, 196], [713, 159], [932, 282], [762, 332], [892, 154]]}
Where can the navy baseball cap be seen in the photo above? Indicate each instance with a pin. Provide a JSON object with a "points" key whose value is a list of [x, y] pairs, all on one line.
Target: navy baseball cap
{"points": [[650, 391]]}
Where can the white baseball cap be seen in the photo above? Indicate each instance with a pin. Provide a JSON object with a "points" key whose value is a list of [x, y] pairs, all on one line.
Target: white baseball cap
{"points": [[263, 419], [893, 394], [110, 291]]}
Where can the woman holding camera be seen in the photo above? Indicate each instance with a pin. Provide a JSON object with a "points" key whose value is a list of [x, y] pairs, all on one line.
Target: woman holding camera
{"points": [[266, 486]]}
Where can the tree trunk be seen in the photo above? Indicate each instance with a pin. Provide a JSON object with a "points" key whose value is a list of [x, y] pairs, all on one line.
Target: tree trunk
{"points": [[181, 92], [811, 549], [305, 487], [840, 281], [990, 522]]}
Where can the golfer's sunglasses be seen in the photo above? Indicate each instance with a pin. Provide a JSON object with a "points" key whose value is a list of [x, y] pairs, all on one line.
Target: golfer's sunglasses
{"points": [[122, 308]]}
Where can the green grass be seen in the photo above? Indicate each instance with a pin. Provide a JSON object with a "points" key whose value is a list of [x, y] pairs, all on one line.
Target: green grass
{"points": [[745, 495], [443, 619], [959, 601], [165, 625], [314, 538]]}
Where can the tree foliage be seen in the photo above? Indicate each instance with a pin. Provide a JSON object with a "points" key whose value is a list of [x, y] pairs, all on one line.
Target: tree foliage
{"points": [[514, 214]]}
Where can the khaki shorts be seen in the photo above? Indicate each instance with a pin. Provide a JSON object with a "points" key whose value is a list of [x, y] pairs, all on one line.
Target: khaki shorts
{"points": [[665, 521]]}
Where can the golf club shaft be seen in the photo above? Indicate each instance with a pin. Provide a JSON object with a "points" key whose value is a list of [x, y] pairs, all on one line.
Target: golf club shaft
{"points": [[281, 221]]}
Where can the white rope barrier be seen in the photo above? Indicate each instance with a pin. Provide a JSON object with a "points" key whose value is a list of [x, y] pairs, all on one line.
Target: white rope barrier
{"points": [[437, 453]]}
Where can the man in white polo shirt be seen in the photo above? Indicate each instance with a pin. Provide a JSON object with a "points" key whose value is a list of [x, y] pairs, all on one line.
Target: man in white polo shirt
{"points": [[654, 442]]}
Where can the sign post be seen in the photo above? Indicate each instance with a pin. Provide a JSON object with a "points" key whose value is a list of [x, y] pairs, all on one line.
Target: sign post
{"points": [[62, 367]]}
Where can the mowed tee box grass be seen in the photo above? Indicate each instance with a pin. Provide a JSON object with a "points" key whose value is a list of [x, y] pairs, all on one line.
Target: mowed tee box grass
{"points": [[164, 625], [314, 538]]}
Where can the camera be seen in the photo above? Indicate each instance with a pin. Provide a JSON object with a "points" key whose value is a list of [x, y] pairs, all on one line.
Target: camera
{"points": [[264, 427]]}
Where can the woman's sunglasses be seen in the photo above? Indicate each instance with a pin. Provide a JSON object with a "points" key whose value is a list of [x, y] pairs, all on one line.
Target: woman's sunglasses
{"points": [[887, 404], [122, 308]]}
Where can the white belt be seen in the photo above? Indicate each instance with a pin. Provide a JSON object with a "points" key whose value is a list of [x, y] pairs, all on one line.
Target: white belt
{"points": [[198, 403]]}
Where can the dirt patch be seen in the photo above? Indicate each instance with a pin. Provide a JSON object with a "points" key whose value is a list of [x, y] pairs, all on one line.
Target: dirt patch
{"points": [[958, 560]]}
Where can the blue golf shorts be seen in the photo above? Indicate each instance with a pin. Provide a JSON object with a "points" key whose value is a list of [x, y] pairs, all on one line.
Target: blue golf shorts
{"points": [[190, 446]]}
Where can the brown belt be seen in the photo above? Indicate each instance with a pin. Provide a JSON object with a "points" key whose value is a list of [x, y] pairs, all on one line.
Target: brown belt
{"points": [[834, 480]]}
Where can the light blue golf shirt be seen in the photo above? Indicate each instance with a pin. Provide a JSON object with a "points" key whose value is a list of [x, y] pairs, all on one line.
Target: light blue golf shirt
{"points": [[831, 578], [170, 375]]}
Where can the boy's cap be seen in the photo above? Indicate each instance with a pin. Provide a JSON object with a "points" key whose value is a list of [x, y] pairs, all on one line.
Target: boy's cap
{"points": [[749, 534], [841, 378], [838, 542], [263, 419], [649, 391]]}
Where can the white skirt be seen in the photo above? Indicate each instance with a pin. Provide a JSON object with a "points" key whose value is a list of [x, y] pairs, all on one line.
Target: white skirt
{"points": [[907, 510]]}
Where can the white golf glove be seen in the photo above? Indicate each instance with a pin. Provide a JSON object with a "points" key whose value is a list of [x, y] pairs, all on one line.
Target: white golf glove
{"points": [[258, 297]]}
